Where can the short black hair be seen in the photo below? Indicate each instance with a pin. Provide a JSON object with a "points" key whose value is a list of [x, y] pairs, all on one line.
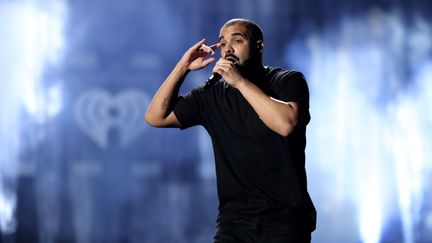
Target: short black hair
{"points": [[253, 30]]}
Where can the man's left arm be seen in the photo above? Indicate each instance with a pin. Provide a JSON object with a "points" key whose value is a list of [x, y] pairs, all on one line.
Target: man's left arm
{"points": [[278, 115]]}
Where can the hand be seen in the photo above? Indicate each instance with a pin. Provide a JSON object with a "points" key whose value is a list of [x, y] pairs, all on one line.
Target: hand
{"points": [[194, 58], [229, 71]]}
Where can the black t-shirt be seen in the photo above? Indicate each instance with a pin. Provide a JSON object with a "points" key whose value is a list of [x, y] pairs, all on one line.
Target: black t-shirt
{"points": [[255, 166]]}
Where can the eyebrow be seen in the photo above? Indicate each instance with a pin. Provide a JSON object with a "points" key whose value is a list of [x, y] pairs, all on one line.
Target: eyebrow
{"points": [[235, 34]]}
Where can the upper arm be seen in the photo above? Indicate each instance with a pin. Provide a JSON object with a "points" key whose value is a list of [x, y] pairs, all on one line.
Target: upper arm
{"points": [[294, 108], [187, 111], [290, 111], [170, 121], [294, 91]]}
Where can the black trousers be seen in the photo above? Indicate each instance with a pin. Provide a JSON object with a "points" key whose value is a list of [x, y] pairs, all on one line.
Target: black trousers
{"points": [[283, 226]]}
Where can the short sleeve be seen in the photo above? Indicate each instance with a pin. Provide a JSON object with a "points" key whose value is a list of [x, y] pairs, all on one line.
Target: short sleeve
{"points": [[189, 108], [292, 87]]}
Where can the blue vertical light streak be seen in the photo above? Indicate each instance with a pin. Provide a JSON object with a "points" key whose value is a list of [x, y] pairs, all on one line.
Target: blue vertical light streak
{"points": [[34, 39], [368, 134]]}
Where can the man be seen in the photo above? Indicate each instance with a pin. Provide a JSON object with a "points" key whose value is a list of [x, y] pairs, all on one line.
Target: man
{"points": [[256, 117]]}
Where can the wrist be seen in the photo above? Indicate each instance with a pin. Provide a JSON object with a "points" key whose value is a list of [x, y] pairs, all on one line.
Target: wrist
{"points": [[183, 67], [242, 84]]}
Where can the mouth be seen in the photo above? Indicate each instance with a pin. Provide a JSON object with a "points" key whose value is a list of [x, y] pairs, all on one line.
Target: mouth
{"points": [[232, 58]]}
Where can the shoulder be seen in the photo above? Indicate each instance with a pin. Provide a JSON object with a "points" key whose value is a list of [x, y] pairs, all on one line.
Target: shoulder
{"points": [[288, 85], [280, 77], [280, 74], [205, 93]]}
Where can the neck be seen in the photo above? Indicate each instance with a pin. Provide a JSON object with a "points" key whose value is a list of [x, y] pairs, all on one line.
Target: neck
{"points": [[254, 71]]}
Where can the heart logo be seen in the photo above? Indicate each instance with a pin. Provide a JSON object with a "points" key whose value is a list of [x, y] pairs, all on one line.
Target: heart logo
{"points": [[97, 111]]}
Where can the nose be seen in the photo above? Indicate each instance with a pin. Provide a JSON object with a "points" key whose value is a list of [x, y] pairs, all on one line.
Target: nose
{"points": [[228, 49]]}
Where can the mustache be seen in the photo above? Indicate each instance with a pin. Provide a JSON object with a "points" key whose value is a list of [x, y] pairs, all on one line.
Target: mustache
{"points": [[231, 57]]}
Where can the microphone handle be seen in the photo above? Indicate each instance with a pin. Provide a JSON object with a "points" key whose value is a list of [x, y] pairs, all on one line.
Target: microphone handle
{"points": [[212, 80]]}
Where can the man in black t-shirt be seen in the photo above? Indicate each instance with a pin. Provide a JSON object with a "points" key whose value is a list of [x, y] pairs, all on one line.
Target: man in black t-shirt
{"points": [[256, 117]]}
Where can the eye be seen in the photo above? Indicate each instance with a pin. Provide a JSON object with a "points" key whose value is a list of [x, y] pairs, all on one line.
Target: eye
{"points": [[238, 41], [222, 44]]}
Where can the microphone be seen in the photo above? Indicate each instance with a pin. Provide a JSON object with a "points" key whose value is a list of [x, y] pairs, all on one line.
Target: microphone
{"points": [[212, 80], [216, 76]]}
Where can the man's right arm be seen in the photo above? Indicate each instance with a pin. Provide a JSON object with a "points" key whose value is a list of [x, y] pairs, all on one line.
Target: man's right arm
{"points": [[160, 111]]}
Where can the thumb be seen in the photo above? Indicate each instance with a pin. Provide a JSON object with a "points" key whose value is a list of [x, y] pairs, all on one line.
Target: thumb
{"points": [[208, 61]]}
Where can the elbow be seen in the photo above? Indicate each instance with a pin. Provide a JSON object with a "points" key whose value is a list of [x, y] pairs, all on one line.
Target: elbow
{"points": [[146, 119], [286, 128], [149, 120], [155, 121], [285, 131]]}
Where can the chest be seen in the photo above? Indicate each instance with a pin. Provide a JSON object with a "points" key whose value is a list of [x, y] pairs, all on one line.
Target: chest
{"points": [[231, 115]]}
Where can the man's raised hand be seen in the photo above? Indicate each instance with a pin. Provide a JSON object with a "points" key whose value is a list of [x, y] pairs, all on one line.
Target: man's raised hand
{"points": [[194, 58]]}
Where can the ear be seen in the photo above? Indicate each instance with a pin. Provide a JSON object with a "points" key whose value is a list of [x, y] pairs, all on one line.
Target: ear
{"points": [[260, 46]]}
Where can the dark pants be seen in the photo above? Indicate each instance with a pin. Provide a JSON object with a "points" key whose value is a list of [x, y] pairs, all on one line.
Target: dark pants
{"points": [[265, 227]]}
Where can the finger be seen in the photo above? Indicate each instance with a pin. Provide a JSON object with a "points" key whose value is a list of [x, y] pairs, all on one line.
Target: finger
{"points": [[218, 69], [216, 46], [199, 43], [206, 49], [221, 68], [226, 62], [224, 65], [208, 61]]}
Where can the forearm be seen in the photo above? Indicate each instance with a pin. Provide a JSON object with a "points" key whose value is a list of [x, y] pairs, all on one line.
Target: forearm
{"points": [[279, 116], [163, 101]]}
